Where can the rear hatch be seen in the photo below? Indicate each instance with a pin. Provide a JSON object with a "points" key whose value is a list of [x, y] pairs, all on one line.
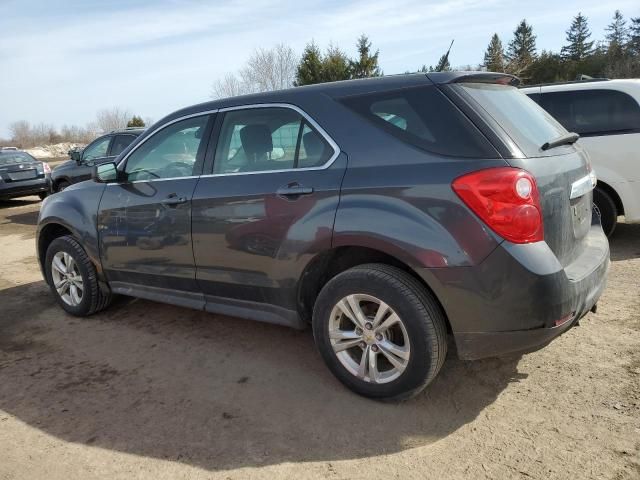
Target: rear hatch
{"points": [[562, 171]]}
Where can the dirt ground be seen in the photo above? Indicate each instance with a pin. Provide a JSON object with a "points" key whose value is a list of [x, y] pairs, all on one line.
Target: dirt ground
{"points": [[145, 390]]}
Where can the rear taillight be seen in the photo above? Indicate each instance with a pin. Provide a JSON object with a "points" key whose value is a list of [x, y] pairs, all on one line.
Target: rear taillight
{"points": [[46, 167], [506, 199]]}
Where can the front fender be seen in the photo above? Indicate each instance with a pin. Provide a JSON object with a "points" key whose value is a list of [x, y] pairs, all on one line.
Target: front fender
{"points": [[74, 209]]}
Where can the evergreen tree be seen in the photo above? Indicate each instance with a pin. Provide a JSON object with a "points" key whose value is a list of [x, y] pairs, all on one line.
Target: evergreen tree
{"points": [[617, 34], [310, 66], [335, 65], [443, 64], [633, 46], [494, 56], [135, 121], [367, 63], [522, 49], [577, 37]]}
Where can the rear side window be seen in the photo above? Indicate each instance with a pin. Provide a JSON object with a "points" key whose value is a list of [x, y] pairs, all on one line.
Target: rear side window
{"points": [[528, 125], [424, 118], [594, 112], [120, 142]]}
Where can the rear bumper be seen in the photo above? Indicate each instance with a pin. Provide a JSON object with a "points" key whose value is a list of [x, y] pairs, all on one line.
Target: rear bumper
{"points": [[24, 187], [512, 301]]}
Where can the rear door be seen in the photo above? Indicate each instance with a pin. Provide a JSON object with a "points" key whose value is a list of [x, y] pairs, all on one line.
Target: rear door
{"points": [[145, 220], [119, 143], [267, 205]]}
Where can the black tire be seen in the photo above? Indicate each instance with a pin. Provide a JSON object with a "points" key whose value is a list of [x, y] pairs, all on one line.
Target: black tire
{"points": [[43, 195], [93, 298], [420, 313], [61, 185], [606, 207]]}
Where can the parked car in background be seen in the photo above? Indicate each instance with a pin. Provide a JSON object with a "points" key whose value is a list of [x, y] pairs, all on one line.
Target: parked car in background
{"points": [[102, 149], [22, 175], [383, 212], [606, 114]]}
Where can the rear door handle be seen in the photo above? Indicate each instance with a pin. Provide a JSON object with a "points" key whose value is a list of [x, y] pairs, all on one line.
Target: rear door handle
{"points": [[294, 190], [173, 199]]}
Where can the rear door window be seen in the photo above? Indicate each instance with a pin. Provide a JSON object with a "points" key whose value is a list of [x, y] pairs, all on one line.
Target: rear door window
{"points": [[594, 112], [120, 142], [528, 124], [424, 118]]}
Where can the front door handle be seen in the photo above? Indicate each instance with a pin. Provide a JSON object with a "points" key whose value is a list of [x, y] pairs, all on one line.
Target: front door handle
{"points": [[294, 190], [173, 199]]}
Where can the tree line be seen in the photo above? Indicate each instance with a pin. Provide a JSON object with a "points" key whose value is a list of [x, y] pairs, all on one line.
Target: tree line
{"points": [[25, 135], [617, 55]]}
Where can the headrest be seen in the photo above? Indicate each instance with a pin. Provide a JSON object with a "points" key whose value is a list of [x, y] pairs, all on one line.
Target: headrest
{"points": [[256, 140]]}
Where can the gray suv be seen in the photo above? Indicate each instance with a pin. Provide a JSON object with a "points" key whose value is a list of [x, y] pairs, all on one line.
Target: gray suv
{"points": [[388, 214]]}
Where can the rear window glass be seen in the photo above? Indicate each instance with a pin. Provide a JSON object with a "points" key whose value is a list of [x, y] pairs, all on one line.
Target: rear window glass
{"points": [[594, 111], [425, 118], [528, 125], [7, 158]]}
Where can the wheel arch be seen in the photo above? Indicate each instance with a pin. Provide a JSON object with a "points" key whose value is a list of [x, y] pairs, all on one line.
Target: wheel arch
{"points": [[326, 265], [609, 190]]}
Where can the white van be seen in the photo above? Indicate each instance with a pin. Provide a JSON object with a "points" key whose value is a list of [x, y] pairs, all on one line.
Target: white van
{"points": [[606, 114]]}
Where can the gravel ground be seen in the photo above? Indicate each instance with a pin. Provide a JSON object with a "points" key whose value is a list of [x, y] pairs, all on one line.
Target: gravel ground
{"points": [[145, 390]]}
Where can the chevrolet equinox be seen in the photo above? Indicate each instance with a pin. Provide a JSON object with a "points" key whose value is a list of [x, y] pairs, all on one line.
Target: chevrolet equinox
{"points": [[389, 214]]}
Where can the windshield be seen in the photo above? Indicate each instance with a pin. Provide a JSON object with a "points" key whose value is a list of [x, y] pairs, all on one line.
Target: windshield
{"points": [[528, 125], [7, 158]]}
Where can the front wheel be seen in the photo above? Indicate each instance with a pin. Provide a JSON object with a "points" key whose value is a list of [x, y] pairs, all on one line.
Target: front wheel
{"points": [[380, 331], [72, 278]]}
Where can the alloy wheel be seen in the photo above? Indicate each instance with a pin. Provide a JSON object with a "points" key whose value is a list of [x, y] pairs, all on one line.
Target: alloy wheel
{"points": [[67, 279], [369, 338]]}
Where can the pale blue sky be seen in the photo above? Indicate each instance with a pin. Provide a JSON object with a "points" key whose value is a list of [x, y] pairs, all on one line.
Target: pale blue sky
{"points": [[62, 61]]}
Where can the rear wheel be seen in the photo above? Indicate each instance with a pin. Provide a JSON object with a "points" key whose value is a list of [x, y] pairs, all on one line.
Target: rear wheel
{"points": [[72, 278], [380, 331], [604, 205]]}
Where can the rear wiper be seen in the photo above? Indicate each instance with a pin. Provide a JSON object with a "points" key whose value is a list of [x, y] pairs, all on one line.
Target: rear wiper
{"points": [[566, 139]]}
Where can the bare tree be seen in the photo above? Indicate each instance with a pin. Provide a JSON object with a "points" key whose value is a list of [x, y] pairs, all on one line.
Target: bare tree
{"points": [[229, 86], [20, 133], [112, 119], [266, 70]]}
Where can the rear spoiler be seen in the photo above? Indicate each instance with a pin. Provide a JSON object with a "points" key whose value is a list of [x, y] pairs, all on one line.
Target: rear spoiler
{"points": [[474, 77]]}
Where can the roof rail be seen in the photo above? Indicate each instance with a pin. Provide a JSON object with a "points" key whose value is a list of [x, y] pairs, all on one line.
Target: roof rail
{"points": [[580, 79], [126, 128]]}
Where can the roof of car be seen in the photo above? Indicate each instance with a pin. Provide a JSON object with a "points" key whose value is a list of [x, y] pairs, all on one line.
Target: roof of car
{"points": [[624, 84], [345, 88], [132, 130]]}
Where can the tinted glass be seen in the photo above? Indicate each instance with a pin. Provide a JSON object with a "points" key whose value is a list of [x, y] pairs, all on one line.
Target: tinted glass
{"points": [[170, 153], [268, 139], [120, 142], [15, 157], [594, 111], [528, 125], [425, 118], [97, 149]]}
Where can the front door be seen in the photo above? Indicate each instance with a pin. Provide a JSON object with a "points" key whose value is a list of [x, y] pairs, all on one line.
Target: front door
{"points": [[145, 220], [267, 208]]}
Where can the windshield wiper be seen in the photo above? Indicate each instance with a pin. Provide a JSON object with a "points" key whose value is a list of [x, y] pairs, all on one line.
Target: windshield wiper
{"points": [[566, 139]]}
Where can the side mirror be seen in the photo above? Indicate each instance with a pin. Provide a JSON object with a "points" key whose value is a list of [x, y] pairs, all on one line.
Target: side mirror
{"points": [[105, 173], [75, 154]]}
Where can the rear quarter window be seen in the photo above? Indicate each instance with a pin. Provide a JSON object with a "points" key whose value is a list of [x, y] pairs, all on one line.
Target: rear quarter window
{"points": [[594, 112], [424, 118]]}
